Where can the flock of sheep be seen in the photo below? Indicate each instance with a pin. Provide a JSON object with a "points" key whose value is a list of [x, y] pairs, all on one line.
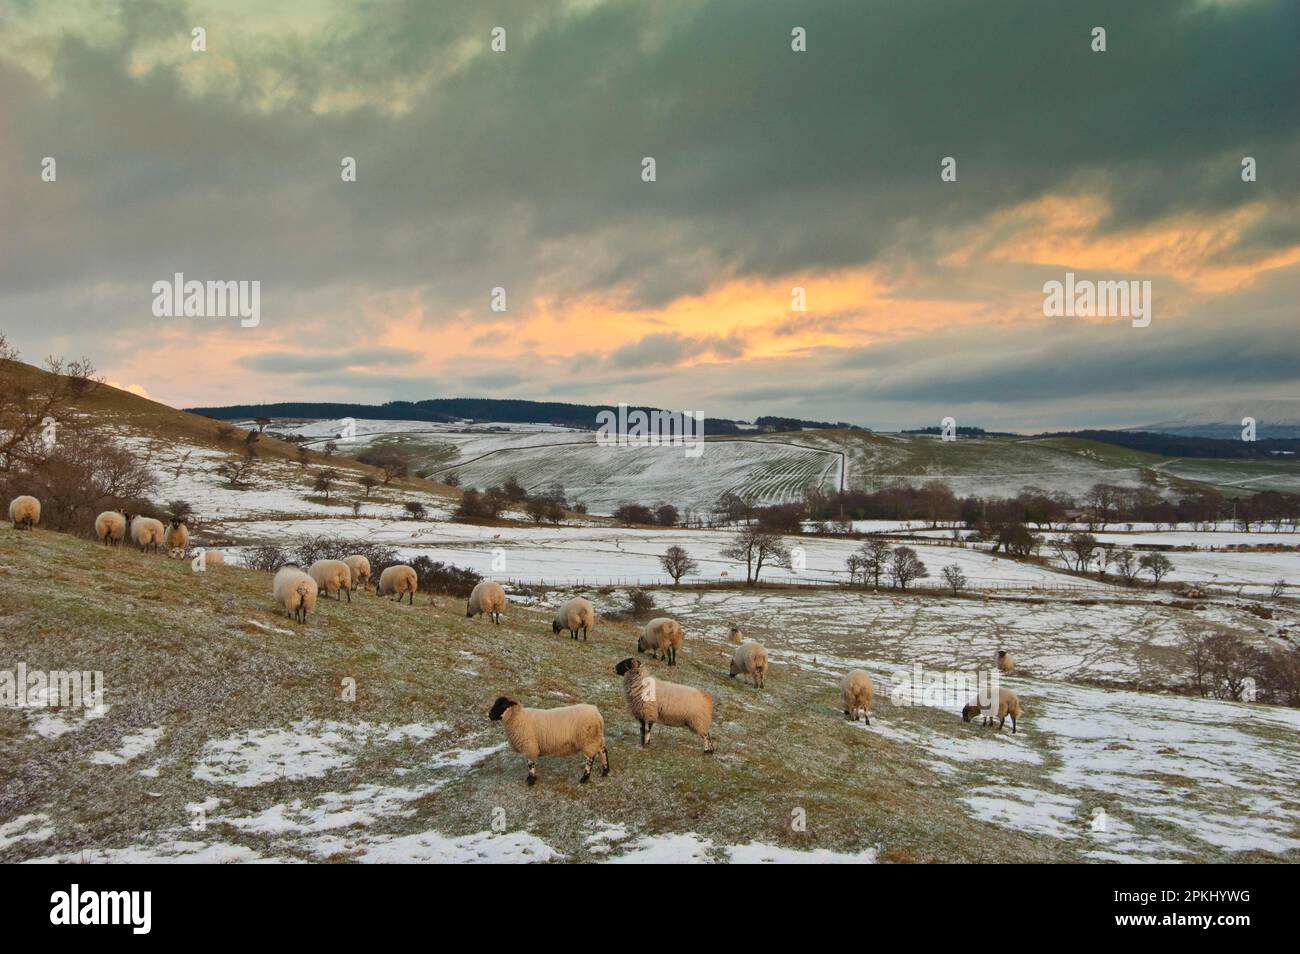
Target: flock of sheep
{"points": [[532, 733]]}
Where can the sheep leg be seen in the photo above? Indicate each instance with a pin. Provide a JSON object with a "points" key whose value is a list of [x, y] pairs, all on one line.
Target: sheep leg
{"points": [[586, 769], [532, 772], [349, 595], [708, 744], [866, 715], [645, 732], [604, 761]]}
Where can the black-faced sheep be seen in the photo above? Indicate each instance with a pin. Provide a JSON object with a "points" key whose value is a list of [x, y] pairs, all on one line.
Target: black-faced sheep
{"points": [[25, 512], [487, 597], [176, 537], [1008, 705], [750, 660], [564, 731], [400, 579], [856, 689], [574, 615], [652, 700], [1006, 661], [661, 635]]}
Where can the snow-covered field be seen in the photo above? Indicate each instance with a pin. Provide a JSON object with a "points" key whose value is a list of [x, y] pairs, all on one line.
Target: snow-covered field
{"points": [[605, 554]]}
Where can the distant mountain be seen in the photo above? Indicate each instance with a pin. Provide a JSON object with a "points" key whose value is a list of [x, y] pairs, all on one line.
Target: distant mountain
{"points": [[1273, 419], [456, 409]]}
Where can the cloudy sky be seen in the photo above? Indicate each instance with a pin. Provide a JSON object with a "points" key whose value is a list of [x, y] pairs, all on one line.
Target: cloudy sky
{"points": [[775, 169]]}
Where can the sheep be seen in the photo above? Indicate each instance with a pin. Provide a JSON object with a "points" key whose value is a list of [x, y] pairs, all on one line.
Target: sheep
{"points": [[734, 635], [399, 579], [856, 689], [563, 731], [1008, 705], [110, 527], [661, 634], [25, 512], [214, 558], [751, 660], [1006, 661], [295, 591], [360, 568], [487, 597], [575, 614], [653, 700], [177, 537], [332, 576], [146, 532]]}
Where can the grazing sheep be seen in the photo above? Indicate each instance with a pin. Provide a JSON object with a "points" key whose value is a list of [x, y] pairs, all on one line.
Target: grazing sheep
{"points": [[734, 635], [751, 660], [399, 579], [1006, 661], [856, 689], [661, 634], [25, 512], [295, 591], [332, 576], [177, 537], [214, 558], [110, 527], [575, 614], [360, 568], [563, 731], [1008, 705], [487, 597], [653, 700], [146, 532]]}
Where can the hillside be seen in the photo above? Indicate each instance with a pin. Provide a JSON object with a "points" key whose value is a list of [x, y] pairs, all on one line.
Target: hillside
{"points": [[778, 468], [225, 738]]}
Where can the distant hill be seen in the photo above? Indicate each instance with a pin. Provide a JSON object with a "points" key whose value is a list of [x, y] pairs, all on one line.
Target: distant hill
{"points": [[446, 410], [1186, 445], [1273, 419]]}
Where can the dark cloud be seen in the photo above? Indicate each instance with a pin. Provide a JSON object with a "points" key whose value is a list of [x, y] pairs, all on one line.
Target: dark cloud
{"points": [[522, 169], [294, 362]]}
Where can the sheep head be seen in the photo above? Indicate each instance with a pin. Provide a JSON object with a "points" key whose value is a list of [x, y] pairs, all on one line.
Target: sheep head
{"points": [[969, 712], [499, 708], [555, 626], [626, 666]]}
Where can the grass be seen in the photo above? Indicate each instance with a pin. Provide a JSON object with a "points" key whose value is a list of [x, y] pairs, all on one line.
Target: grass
{"points": [[187, 653]]}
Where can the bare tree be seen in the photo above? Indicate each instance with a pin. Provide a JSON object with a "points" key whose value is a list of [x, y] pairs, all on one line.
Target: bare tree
{"points": [[391, 461], [875, 558], [33, 399], [954, 577], [677, 563], [368, 483], [905, 566], [1126, 565], [238, 471], [1157, 564], [1082, 546], [326, 478], [757, 548]]}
